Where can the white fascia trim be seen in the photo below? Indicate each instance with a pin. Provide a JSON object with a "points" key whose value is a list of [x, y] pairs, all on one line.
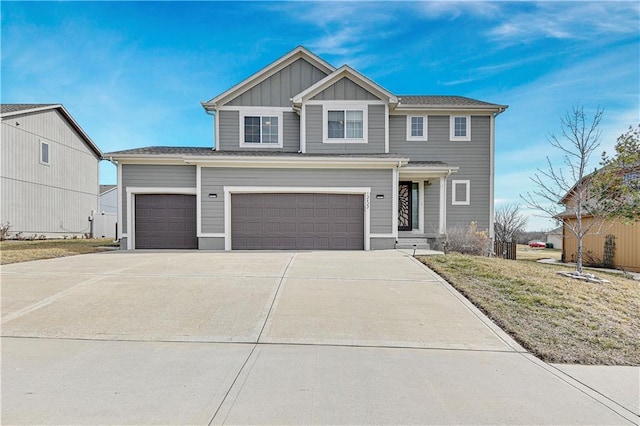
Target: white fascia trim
{"points": [[452, 136], [454, 200], [491, 175], [382, 236], [299, 163], [345, 106], [334, 102], [216, 132], [268, 71], [134, 190], [119, 171], [261, 112], [395, 182], [303, 129], [354, 76], [425, 128], [229, 190], [198, 199], [444, 110], [386, 128], [256, 108], [426, 171], [443, 205]]}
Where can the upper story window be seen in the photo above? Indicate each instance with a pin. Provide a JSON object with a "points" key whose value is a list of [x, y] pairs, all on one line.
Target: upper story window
{"points": [[261, 129], [460, 192], [460, 128], [44, 153], [345, 124], [417, 128]]}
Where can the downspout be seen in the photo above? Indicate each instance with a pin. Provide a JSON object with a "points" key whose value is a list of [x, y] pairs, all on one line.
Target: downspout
{"points": [[212, 113]]}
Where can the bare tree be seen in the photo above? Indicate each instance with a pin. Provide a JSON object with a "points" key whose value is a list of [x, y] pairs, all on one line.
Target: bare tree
{"points": [[508, 222], [566, 193]]}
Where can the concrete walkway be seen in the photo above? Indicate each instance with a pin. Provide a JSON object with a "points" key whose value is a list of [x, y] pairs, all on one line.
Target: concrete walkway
{"points": [[274, 338]]}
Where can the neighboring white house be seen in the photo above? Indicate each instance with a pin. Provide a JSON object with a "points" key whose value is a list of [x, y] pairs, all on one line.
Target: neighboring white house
{"points": [[555, 237], [49, 172], [106, 219], [108, 199]]}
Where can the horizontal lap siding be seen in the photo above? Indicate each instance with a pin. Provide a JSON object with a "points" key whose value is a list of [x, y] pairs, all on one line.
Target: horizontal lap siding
{"points": [[154, 176], [229, 127], [278, 89], [214, 180], [472, 158], [315, 129]]}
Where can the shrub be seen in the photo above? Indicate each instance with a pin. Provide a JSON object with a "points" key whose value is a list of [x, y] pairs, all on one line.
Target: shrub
{"points": [[468, 241], [4, 231]]}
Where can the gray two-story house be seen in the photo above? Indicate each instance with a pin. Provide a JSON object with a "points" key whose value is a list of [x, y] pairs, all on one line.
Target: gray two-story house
{"points": [[308, 156]]}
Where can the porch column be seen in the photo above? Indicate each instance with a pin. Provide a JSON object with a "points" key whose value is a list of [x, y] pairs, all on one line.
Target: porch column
{"points": [[443, 205]]}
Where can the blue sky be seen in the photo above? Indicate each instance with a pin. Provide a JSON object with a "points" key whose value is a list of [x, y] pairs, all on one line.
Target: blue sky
{"points": [[133, 73]]}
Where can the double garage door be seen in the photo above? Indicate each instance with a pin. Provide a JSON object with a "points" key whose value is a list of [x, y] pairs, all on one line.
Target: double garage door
{"points": [[297, 221], [258, 221]]}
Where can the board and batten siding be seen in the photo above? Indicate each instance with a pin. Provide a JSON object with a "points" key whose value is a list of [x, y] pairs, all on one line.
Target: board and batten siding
{"points": [[53, 199], [472, 157], [315, 130], [344, 90], [278, 89], [154, 176], [229, 127], [215, 179]]}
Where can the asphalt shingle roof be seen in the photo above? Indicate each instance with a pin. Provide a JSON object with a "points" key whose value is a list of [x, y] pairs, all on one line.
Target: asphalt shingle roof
{"points": [[209, 152], [4, 108], [441, 100]]}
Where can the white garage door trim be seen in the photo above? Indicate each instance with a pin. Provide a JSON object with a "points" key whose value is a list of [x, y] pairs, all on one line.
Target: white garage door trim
{"points": [[228, 190], [131, 211]]}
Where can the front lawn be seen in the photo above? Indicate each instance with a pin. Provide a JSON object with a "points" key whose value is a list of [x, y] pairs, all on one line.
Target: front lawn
{"points": [[558, 319], [23, 251]]}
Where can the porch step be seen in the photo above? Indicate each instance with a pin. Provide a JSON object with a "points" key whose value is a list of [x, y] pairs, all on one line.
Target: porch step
{"points": [[410, 243]]}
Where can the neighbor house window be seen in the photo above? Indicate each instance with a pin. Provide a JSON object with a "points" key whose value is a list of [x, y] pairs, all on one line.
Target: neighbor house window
{"points": [[44, 153], [261, 130], [417, 128], [460, 128], [345, 125], [632, 180], [460, 192]]}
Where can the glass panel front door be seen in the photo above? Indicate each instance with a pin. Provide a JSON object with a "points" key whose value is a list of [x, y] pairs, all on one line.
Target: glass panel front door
{"points": [[405, 206]]}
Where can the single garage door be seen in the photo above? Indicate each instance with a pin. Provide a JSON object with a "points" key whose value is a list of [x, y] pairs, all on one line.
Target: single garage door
{"points": [[297, 221], [165, 221]]}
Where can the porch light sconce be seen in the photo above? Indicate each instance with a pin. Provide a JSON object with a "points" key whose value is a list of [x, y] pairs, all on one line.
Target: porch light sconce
{"points": [[213, 195], [427, 182], [380, 196]]}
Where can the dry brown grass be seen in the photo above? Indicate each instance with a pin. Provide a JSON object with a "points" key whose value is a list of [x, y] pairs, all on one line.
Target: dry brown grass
{"points": [[556, 318], [524, 252], [24, 251]]}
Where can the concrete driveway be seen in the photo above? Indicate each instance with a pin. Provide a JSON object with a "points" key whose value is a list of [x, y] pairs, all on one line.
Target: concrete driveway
{"points": [[267, 338]]}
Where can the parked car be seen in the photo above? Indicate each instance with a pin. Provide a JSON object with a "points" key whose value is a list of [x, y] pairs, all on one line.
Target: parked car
{"points": [[537, 244]]}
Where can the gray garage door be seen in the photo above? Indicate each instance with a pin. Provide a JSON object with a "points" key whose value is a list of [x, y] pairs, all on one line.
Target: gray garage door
{"points": [[166, 221], [297, 221]]}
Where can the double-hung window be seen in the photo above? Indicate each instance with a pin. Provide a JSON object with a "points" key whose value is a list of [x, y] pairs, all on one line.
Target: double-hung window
{"points": [[460, 128], [261, 129], [417, 129], [348, 124]]}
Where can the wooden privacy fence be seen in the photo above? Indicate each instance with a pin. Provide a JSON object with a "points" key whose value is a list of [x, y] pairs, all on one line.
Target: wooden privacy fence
{"points": [[505, 250]]}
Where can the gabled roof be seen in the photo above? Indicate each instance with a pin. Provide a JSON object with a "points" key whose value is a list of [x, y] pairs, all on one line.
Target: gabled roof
{"points": [[351, 74], [9, 110], [445, 102], [266, 72], [107, 188]]}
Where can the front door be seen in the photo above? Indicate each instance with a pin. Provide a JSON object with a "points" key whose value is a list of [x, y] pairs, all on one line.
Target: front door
{"points": [[405, 206]]}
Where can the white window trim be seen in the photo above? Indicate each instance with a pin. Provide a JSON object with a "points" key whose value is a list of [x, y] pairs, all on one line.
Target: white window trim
{"points": [[340, 106], [452, 132], [48, 162], [425, 128], [229, 190], [261, 112], [454, 200]]}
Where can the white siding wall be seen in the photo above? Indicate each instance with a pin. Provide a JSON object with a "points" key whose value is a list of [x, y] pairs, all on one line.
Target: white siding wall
{"points": [[54, 199]]}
